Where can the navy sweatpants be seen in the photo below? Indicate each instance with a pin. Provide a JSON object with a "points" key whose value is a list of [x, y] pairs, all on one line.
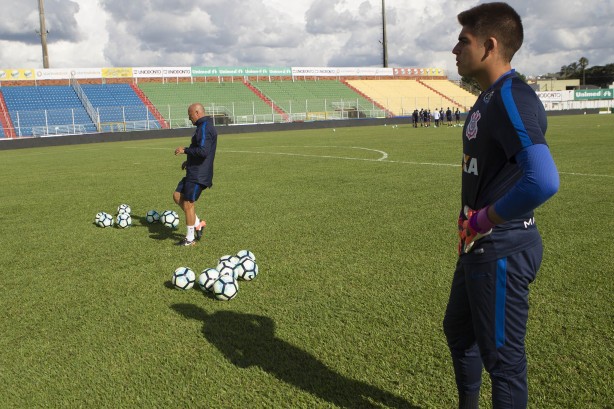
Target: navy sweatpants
{"points": [[485, 324]]}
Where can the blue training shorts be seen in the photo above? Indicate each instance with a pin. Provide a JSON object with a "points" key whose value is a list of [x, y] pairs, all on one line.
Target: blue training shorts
{"points": [[190, 190]]}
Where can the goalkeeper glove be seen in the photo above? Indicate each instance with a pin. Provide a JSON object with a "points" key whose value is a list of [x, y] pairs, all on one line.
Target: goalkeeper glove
{"points": [[472, 227]]}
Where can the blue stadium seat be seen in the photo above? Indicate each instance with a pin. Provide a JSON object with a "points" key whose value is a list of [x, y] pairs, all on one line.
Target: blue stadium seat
{"points": [[119, 103], [37, 110]]}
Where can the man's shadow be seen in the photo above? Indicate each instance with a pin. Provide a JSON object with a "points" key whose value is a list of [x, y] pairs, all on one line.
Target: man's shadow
{"points": [[249, 340], [156, 230]]}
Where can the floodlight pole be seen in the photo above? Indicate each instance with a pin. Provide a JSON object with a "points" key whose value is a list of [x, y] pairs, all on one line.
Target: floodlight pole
{"points": [[43, 33], [384, 39]]}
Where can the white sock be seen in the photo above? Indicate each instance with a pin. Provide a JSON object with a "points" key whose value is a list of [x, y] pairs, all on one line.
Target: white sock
{"points": [[190, 235], [197, 222]]}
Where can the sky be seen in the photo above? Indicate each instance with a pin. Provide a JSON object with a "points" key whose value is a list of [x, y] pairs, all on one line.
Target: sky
{"points": [[289, 33]]}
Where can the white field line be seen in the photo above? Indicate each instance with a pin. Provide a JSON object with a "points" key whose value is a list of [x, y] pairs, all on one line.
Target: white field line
{"points": [[382, 158], [304, 155]]}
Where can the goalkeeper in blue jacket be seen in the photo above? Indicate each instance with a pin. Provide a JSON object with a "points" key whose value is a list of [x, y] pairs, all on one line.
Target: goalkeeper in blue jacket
{"points": [[507, 173]]}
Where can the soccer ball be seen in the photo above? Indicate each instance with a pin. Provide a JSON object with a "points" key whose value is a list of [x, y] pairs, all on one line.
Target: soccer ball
{"points": [[170, 219], [183, 278], [98, 218], [246, 269], [123, 208], [105, 220], [152, 217], [124, 220], [226, 265], [229, 258], [207, 278], [225, 288], [246, 253]]}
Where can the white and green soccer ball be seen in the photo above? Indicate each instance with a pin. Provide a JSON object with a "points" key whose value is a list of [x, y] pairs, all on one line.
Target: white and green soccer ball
{"points": [[124, 220], [104, 219], [225, 288], [246, 269], [152, 217], [170, 219], [183, 278], [123, 208], [206, 279], [226, 265], [246, 253]]}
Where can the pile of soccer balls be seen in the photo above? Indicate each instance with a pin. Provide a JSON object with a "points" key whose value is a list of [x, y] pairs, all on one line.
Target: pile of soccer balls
{"points": [[122, 220], [222, 281], [168, 218]]}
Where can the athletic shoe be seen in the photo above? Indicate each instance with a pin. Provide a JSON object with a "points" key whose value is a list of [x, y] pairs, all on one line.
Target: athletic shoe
{"points": [[186, 242], [200, 229]]}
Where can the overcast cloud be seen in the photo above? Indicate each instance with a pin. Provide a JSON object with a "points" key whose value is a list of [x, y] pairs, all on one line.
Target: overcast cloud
{"points": [[272, 33]]}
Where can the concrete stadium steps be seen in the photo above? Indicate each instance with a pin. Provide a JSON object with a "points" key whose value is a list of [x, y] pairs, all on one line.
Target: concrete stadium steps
{"points": [[401, 97], [458, 96], [321, 96], [6, 125], [231, 99]]}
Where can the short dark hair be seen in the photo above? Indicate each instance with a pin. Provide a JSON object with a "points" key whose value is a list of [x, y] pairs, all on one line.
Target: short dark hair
{"points": [[497, 20]]}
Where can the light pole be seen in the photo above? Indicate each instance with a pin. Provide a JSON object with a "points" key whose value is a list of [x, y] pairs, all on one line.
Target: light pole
{"points": [[384, 39], [43, 33]]}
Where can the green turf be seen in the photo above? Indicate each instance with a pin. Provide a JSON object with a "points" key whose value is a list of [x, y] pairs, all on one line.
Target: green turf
{"points": [[355, 236]]}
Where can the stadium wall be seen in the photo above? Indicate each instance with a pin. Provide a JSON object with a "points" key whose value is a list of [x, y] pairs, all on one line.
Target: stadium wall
{"points": [[23, 143]]}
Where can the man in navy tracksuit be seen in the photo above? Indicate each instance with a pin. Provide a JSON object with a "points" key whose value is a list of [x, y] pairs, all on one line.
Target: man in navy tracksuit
{"points": [[199, 171], [507, 173]]}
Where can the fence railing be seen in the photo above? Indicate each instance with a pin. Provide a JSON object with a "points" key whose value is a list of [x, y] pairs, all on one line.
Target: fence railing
{"points": [[53, 122]]}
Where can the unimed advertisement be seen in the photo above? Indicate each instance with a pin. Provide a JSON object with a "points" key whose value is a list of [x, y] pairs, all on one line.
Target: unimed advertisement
{"points": [[588, 94]]}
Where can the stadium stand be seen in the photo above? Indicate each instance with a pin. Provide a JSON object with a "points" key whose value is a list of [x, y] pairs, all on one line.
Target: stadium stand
{"points": [[46, 110], [325, 99], [228, 102], [117, 105], [5, 121], [401, 97], [456, 95]]}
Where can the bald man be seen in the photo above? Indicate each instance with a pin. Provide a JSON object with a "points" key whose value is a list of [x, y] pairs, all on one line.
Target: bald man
{"points": [[199, 171]]}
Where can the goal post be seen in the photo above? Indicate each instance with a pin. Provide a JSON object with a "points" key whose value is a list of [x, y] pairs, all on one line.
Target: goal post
{"points": [[112, 127]]}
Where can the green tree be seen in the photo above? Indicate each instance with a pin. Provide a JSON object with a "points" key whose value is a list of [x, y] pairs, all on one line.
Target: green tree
{"points": [[583, 62]]}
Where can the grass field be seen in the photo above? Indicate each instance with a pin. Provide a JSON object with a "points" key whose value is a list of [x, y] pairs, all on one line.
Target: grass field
{"points": [[355, 236]]}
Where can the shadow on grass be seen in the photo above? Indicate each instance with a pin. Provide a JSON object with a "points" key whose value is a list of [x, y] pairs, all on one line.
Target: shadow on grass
{"points": [[156, 230], [249, 340]]}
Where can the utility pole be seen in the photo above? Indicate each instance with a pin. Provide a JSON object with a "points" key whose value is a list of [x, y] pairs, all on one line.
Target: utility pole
{"points": [[43, 33], [384, 39]]}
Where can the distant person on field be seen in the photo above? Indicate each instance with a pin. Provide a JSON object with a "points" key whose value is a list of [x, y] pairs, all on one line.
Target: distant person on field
{"points": [[436, 118], [507, 172], [199, 171], [457, 116], [414, 117], [449, 116]]}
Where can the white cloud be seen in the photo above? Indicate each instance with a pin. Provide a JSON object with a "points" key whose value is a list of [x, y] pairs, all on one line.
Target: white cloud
{"points": [[87, 33]]}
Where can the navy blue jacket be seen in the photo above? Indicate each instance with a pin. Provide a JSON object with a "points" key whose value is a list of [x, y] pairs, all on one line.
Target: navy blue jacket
{"points": [[201, 153], [506, 119]]}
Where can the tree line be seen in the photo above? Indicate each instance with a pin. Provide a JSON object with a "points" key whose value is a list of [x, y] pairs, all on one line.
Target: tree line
{"points": [[599, 75]]}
